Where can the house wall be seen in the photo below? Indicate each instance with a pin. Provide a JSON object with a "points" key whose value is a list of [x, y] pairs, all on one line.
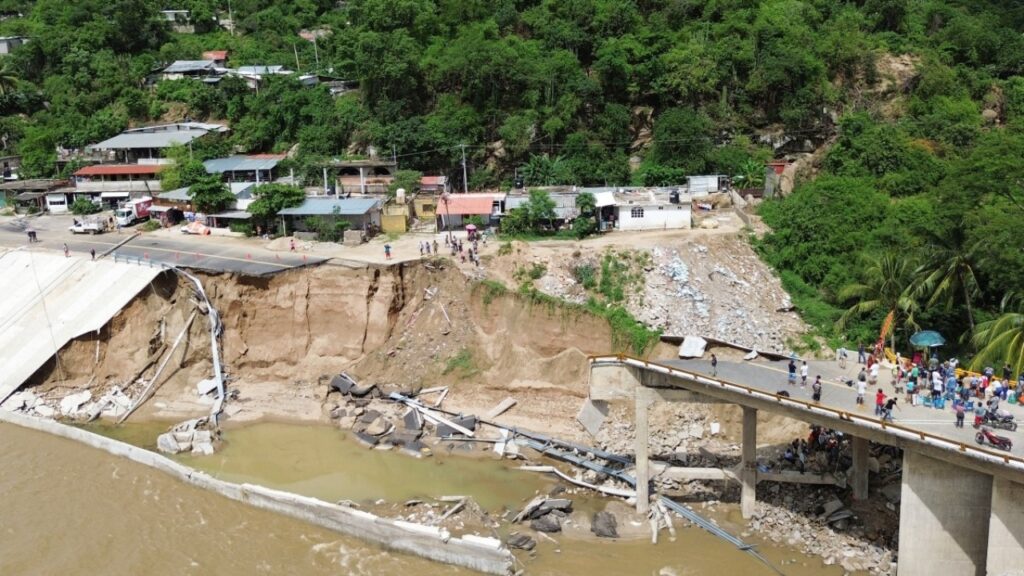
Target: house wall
{"points": [[653, 217], [57, 203], [393, 223], [425, 208]]}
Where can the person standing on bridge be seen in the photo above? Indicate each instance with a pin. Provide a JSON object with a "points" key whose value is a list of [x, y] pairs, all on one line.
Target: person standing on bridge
{"points": [[961, 411], [879, 402], [816, 389], [792, 371], [92, 252], [889, 406], [387, 251], [66, 253], [803, 374], [714, 365], [862, 386], [861, 357]]}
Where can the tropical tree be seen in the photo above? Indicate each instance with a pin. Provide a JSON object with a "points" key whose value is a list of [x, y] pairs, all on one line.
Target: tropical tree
{"points": [[8, 79], [272, 198], [585, 224], [210, 195], [751, 174], [1002, 339], [886, 285], [947, 276]]}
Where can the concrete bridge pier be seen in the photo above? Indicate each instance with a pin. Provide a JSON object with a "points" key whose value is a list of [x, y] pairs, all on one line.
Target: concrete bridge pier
{"points": [[642, 451], [748, 464], [944, 518], [1006, 528], [859, 474]]}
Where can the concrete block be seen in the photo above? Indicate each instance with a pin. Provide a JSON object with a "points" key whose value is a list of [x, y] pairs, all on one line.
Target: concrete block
{"points": [[692, 347], [45, 411], [592, 414]]}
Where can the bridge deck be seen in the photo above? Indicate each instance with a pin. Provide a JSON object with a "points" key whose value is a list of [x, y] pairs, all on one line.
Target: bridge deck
{"points": [[755, 384]]}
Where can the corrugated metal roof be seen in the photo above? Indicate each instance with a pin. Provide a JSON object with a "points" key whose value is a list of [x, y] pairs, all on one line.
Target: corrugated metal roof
{"points": [[33, 184], [260, 70], [119, 169], [240, 164], [184, 66], [176, 195], [163, 139], [466, 205], [326, 206]]}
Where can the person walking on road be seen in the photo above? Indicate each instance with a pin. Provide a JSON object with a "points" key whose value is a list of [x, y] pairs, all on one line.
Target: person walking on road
{"points": [[714, 365], [862, 387], [890, 404], [387, 251], [435, 247], [803, 374], [961, 411], [66, 253], [92, 252], [879, 402], [792, 371], [291, 244], [816, 389], [861, 357]]}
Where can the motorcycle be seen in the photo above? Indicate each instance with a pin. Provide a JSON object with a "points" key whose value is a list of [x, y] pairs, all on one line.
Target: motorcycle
{"points": [[1001, 442], [1003, 420]]}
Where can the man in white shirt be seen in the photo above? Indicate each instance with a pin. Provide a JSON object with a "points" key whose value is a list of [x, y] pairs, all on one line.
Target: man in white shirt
{"points": [[862, 387]]}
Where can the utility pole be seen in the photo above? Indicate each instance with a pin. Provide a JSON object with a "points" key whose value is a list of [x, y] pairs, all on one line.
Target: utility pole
{"points": [[231, 17], [465, 178], [316, 52], [296, 50]]}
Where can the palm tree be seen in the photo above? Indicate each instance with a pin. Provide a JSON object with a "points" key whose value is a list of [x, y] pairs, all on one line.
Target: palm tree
{"points": [[947, 276], [885, 285], [8, 79], [1002, 339], [751, 174]]}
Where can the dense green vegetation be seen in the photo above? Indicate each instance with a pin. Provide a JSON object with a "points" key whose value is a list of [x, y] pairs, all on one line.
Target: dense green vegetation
{"points": [[563, 90], [928, 169]]}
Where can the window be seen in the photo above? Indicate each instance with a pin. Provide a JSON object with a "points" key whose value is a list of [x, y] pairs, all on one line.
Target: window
{"points": [[636, 213], [427, 207]]}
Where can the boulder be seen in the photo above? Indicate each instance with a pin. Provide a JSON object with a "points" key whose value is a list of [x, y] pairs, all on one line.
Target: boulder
{"points": [[378, 427], [604, 525], [752, 355], [342, 383], [692, 347], [549, 523], [521, 542], [369, 416], [553, 504], [45, 411]]}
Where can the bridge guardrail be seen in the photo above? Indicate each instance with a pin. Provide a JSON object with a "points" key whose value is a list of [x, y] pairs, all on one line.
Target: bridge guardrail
{"points": [[1015, 462]]}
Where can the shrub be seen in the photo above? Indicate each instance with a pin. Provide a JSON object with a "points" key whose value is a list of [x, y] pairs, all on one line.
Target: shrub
{"points": [[83, 206]]}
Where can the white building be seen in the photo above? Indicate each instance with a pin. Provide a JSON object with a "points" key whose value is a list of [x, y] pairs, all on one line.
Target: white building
{"points": [[652, 216]]}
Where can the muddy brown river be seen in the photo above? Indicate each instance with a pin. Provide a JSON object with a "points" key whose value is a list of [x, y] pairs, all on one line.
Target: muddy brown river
{"points": [[72, 510]]}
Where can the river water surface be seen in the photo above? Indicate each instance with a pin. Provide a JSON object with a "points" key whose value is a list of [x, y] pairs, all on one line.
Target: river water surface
{"points": [[72, 510]]}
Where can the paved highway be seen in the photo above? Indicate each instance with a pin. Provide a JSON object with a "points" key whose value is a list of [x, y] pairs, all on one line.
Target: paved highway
{"points": [[772, 377], [201, 253]]}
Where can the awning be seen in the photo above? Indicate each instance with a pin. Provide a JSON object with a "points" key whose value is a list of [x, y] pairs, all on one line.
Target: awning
{"points": [[232, 215], [602, 199], [113, 194], [155, 208], [25, 196], [466, 205]]}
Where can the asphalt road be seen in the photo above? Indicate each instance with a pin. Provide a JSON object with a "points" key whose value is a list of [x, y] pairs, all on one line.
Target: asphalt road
{"points": [[773, 377], [200, 253]]}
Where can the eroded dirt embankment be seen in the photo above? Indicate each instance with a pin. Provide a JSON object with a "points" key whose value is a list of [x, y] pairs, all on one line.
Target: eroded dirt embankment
{"points": [[402, 326]]}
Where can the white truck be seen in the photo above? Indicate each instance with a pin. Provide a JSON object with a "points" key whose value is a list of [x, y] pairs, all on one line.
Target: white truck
{"points": [[133, 211], [93, 225]]}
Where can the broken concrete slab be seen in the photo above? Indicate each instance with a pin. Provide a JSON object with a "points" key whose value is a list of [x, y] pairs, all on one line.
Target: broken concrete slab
{"points": [[551, 505], [501, 408], [72, 402], [366, 440], [369, 416], [379, 427], [831, 506], [412, 420], [692, 347], [44, 411], [592, 414], [167, 444], [521, 542], [202, 448], [467, 422], [342, 383], [752, 355], [362, 392], [415, 449], [204, 387]]}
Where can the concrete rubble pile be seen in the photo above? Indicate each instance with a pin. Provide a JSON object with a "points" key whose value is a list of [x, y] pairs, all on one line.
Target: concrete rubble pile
{"points": [[195, 436]]}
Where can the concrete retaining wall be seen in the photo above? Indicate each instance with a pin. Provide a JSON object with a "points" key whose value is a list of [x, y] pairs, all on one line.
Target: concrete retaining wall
{"points": [[485, 555]]}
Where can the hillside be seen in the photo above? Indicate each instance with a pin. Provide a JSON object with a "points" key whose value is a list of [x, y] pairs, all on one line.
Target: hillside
{"points": [[914, 111]]}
